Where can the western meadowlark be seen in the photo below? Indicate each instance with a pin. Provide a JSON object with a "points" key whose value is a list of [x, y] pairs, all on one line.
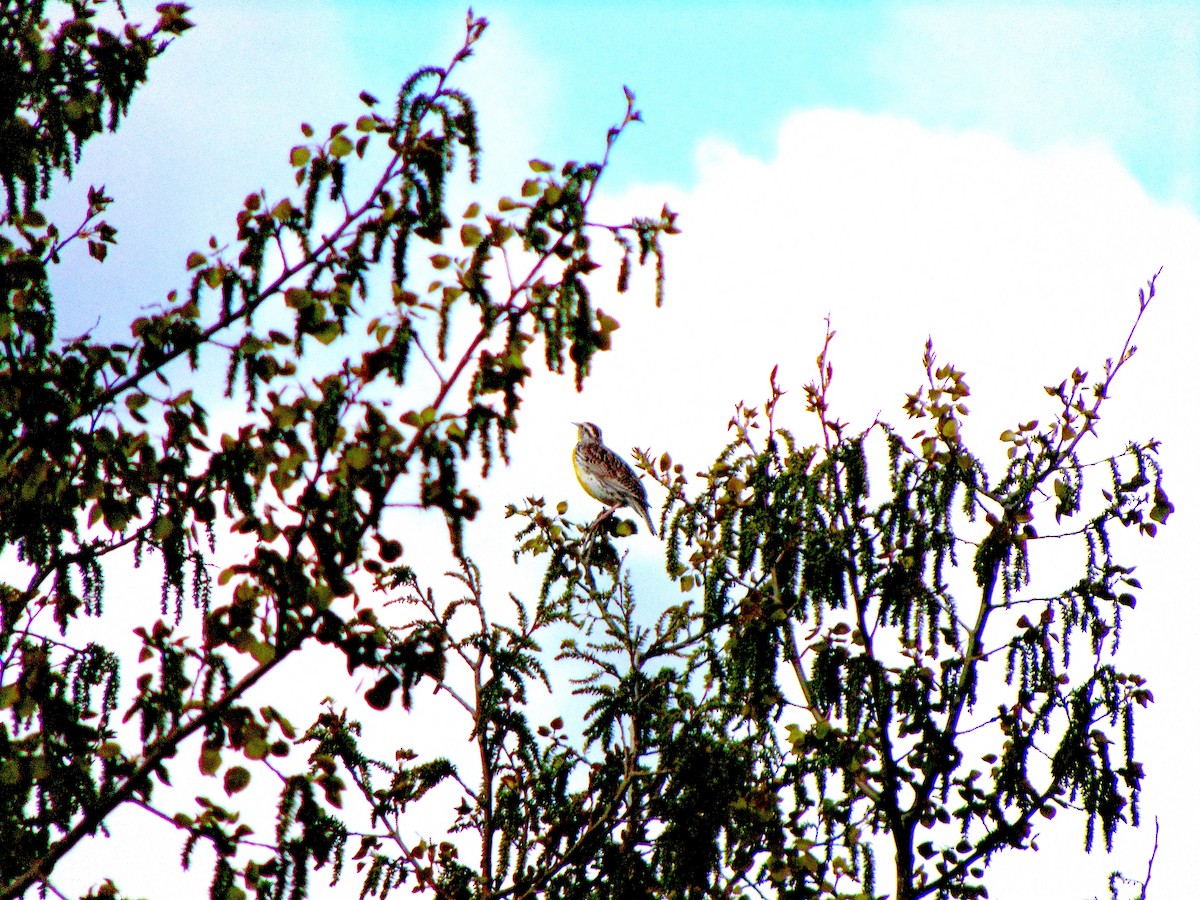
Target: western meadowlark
{"points": [[607, 477]]}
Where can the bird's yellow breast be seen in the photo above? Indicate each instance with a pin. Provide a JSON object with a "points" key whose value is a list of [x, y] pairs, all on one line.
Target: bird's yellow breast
{"points": [[587, 479]]}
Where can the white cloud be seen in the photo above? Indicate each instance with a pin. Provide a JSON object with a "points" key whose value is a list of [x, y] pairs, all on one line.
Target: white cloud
{"points": [[1122, 73]]}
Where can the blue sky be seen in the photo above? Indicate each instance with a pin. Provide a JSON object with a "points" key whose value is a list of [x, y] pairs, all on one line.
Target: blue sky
{"points": [[1002, 177], [1126, 75]]}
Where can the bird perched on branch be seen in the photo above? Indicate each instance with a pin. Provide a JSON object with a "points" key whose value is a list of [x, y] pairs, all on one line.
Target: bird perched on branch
{"points": [[607, 477]]}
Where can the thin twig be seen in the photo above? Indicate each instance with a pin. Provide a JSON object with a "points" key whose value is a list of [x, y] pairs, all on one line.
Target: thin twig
{"points": [[171, 821], [1150, 864]]}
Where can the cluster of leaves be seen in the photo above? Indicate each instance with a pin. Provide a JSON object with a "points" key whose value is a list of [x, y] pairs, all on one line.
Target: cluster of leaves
{"points": [[102, 458], [634, 803], [57, 86], [881, 627], [868, 669]]}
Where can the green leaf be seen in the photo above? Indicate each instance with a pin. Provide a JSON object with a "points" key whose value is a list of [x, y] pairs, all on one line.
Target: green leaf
{"points": [[470, 235], [300, 156], [236, 779], [328, 333], [263, 653], [297, 298], [607, 325], [256, 748], [340, 146], [1162, 507], [210, 761], [538, 165]]}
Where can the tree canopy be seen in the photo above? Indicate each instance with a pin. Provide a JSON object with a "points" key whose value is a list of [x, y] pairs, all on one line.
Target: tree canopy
{"points": [[862, 687]]}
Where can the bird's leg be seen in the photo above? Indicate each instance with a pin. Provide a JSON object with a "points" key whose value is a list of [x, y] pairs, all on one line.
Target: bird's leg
{"points": [[594, 527], [605, 514], [590, 534]]}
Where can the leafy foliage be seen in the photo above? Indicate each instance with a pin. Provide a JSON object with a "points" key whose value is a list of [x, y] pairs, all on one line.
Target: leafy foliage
{"points": [[865, 677], [103, 457], [58, 89], [860, 684], [868, 670]]}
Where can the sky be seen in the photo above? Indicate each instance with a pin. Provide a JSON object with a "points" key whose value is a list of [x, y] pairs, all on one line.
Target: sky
{"points": [[1000, 177]]}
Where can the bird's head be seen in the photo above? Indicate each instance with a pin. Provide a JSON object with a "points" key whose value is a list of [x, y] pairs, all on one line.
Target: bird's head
{"points": [[588, 431]]}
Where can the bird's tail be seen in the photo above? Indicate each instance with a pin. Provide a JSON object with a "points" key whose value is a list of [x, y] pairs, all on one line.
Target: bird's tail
{"points": [[645, 511]]}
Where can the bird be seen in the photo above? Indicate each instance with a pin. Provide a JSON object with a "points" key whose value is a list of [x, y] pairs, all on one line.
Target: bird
{"points": [[607, 477]]}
